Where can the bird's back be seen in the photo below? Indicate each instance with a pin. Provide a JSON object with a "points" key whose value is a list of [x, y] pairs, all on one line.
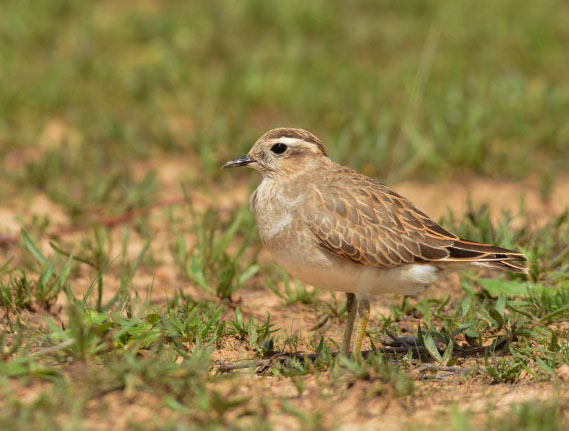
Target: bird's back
{"points": [[359, 219]]}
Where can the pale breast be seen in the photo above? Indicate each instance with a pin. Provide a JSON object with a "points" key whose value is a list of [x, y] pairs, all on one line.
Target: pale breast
{"points": [[277, 211]]}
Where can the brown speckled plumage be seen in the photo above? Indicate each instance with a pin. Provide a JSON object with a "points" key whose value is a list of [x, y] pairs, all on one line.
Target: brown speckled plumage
{"points": [[359, 219]]}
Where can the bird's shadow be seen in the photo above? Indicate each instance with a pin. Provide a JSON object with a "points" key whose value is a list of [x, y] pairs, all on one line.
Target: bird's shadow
{"points": [[394, 348]]}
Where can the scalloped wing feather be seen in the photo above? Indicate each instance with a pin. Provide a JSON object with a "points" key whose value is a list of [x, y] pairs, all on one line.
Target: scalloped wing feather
{"points": [[360, 220]]}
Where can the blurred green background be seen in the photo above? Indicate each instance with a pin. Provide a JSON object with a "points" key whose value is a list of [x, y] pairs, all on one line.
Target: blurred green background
{"points": [[110, 105], [427, 90]]}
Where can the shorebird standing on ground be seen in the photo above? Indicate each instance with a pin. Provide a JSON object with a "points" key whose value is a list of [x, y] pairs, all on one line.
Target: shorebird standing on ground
{"points": [[337, 229]]}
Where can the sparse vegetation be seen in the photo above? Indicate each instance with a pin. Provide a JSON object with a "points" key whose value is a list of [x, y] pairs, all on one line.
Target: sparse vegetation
{"points": [[130, 268]]}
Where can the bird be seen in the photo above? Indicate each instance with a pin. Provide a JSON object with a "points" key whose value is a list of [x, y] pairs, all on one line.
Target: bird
{"points": [[339, 230]]}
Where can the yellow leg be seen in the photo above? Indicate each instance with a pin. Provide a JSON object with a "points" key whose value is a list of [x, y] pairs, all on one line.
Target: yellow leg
{"points": [[363, 311]]}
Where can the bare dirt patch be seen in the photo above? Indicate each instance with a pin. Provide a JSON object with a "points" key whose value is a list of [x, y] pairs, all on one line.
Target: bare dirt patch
{"points": [[343, 405]]}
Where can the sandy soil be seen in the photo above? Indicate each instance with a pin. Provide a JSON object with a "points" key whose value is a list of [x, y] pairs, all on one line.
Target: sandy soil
{"points": [[353, 407]]}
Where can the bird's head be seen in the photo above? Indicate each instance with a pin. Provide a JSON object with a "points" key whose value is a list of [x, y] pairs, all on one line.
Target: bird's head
{"points": [[284, 152]]}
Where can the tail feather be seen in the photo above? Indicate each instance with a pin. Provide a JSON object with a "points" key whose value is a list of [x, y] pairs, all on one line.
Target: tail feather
{"points": [[507, 266], [487, 255]]}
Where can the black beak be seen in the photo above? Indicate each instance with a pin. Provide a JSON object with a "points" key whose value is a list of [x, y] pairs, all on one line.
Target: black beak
{"points": [[240, 161]]}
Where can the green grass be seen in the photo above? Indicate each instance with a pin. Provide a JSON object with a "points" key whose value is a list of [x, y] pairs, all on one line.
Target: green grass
{"points": [[402, 90], [103, 102], [524, 416], [128, 345], [209, 263]]}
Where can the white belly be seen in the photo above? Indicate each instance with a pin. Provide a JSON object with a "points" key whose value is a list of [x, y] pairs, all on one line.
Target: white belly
{"points": [[339, 275]]}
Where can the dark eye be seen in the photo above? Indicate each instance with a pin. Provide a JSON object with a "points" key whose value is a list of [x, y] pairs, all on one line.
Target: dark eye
{"points": [[278, 148]]}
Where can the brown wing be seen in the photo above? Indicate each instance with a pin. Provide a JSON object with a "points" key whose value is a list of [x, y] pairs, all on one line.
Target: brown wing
{"points": [[359, 219]]}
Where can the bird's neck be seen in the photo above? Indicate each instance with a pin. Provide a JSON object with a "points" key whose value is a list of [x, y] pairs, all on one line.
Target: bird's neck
{"points": [[305, 168]]}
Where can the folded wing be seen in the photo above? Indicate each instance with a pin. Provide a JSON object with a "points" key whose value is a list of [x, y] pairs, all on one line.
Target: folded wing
{"points": [[373, 225]]}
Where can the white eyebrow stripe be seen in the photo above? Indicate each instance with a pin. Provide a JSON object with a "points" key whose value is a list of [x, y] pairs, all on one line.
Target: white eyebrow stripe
{"points": [[285, 140]]}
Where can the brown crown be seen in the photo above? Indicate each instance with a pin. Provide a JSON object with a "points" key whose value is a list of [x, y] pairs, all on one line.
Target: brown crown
{"points": [[297, 134]]}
